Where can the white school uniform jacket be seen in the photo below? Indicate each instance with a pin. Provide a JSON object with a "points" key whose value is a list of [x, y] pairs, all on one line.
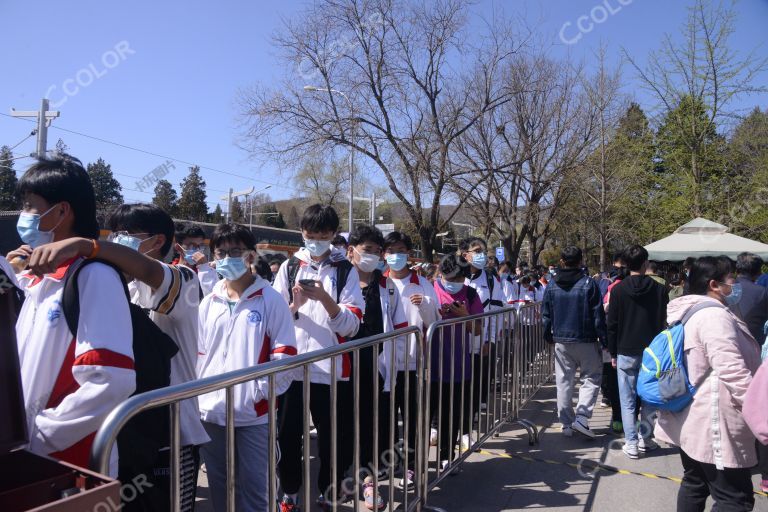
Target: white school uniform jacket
{"points": [[71, 383], [174, 309], [207, 277], [491, 301], [258, 328], [393, 316], [315, 330], [419, 316]]}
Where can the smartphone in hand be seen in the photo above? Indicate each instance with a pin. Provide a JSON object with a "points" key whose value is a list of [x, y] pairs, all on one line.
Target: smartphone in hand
{"points": [[309, 283]]}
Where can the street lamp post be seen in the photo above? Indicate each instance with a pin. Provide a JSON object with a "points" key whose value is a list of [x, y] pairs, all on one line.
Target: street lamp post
{"points": [[250, 216], [312, 88]]}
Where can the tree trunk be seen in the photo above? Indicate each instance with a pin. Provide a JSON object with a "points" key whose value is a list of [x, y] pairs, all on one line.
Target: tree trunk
{"points": [[427, 236]]}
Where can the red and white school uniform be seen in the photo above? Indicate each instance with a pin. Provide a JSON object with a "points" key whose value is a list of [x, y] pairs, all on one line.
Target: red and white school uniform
{"points": [[393, 316], [71, 383], [315, 330], [255, 329], [492, 300]]}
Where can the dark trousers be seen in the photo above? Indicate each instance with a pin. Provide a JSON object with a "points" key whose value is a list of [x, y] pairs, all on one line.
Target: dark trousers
{"points": [[731, 489], [408, 415], [291, 428], [762, 459], [481, 367], [450, 419], [610, 388]]}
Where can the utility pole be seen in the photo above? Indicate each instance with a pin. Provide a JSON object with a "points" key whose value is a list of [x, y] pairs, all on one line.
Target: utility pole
{"points": [[229, 197], [44, 118], [373, 209]]}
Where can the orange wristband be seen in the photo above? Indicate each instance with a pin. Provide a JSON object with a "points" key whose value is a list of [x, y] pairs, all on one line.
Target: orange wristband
{"points": [[95, 250]]}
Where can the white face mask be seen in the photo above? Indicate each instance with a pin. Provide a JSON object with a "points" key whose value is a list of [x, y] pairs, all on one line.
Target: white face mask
{"points": [[368, 262], [317, 248]]}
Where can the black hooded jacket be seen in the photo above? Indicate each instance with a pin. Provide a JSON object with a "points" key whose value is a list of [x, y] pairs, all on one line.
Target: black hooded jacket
{"points": [[636, 314]]}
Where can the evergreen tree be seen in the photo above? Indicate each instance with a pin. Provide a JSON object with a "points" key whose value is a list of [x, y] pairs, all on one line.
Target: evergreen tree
{"points": [[192, 205], [217, 217], [8, 200], [166, 197], [61, 147], [105, 187], [237, 215], [275, 221]]}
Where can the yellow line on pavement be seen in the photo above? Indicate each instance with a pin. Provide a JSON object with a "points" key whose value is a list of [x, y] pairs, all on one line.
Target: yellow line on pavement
{"points": [[589, 465]]}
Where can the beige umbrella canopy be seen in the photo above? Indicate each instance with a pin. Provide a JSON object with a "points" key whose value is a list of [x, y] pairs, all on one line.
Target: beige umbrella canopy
{"points": [[702, 237]]}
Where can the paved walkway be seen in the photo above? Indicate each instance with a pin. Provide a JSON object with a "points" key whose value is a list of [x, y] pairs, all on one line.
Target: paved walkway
{"points": [[557, 475]]}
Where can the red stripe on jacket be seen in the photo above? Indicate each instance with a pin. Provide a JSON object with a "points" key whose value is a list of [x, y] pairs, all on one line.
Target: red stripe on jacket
{"points": [[291, 351], [357, 311], [104, 357], [346, 365]]}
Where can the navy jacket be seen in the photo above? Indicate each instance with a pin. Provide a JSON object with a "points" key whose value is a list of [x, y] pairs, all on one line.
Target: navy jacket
{"points": [[572, 311], [752, 309]]}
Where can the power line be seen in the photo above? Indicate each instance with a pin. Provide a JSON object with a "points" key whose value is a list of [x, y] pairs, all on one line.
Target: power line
{"points": [[31, 134], [213, 169]]}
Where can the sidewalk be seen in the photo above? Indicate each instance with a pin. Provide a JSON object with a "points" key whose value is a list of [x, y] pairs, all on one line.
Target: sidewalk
{"points": [[556, 476]]}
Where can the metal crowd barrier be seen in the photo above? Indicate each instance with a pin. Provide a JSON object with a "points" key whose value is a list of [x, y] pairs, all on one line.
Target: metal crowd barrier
{"points": [[174, 395], [518, 363], [477, 397]]}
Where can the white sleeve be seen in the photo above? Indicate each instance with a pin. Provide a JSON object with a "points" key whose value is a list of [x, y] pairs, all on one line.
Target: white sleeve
{"points": [[179, 290], [430, 307], [10, 277], [352, 305], [208, 278], [282, 336], [281, 282], [103, 367]]}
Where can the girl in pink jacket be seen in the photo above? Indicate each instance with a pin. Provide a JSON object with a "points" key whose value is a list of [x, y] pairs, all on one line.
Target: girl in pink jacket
{"points": [[717, 447]]}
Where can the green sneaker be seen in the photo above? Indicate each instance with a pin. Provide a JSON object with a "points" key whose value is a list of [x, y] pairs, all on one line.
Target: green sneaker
{"points": [[617, 427]]}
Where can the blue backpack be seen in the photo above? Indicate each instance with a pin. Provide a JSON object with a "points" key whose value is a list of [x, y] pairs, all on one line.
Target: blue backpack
{"points": [[663, 380]]}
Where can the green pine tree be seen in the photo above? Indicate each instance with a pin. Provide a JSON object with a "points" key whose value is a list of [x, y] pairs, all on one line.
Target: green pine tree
{"points": [[8, 199], [237, 215], [166, 197], [192, 205], [106, 188], [217, 217]]}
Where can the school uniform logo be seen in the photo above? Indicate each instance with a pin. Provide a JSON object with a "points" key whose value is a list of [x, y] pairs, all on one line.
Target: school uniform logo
{"points": [[254, 317], [54, 313]]}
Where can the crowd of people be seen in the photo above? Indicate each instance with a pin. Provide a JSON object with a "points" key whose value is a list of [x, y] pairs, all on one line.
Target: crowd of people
{"points": [[82, 335], [613, 319], [155, 304]]}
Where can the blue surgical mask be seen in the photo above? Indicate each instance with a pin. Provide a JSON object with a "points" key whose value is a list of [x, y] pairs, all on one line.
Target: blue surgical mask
{"points": [[188, 253], [127, 241], [479, 261], [397, 262], [452, 287], [382, 266], [28, 227], [231, 268], [317, 248], [735, 296]]}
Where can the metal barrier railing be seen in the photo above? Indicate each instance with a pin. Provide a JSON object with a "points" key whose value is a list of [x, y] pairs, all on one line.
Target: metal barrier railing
{"points": [[505, 361], [173, 395], [490, 385]]}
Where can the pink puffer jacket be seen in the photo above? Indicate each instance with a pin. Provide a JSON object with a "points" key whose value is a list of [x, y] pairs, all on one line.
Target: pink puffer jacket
{"points": [[756, 404], [721, 357]]}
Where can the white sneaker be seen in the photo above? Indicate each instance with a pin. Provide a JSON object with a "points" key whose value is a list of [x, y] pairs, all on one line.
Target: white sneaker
{"points": [[466, 442], [630, 450], [483, 407], [407, 481], [433, 437], [647, 445], [312, 432], [567, 431], [581, 425], [444, 466]]}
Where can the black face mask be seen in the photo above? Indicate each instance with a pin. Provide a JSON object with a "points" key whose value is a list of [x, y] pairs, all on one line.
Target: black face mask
{"points": [[620, 272]]}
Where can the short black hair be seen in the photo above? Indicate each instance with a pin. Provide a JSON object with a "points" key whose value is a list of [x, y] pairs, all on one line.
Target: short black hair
{"points": [[339, 241], [396, 237], [61, 178], [366, 233], [706, 269], [262, 268], [493, 259], [618, 256], [571, 256], [143, 218], [653, 266], [749, 264], [232, 233], [688, 263], [468, 242], [635, 257], [184, 231], [319, 218], [452, 265]]}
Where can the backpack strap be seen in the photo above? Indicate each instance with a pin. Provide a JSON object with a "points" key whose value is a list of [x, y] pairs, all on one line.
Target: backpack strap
{"points": [[391, 291], [343, 268], [471, 294], [491, 281], [293, 270], [70, 297], [698, 307]]}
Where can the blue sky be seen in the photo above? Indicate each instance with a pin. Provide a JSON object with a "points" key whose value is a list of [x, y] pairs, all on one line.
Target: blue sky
{"points": [[169, 73]]}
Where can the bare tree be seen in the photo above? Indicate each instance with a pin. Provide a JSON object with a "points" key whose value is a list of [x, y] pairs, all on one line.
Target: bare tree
{"points": [[412, 84], [702, 70]]}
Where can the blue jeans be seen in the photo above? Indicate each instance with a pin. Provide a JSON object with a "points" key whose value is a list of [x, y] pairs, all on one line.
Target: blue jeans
{"points": [[252, 456], [628, 368]]}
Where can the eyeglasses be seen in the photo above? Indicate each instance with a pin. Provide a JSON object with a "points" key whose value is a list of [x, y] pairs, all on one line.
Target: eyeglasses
{"points": [[194, 247], [235, 252]]}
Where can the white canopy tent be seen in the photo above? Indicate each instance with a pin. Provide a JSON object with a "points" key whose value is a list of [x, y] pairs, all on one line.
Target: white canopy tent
{"points": [[702, 237]]}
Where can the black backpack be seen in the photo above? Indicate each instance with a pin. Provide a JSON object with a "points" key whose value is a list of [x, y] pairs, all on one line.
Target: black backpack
{"points": [[13, 428], [490, 278], [343, 267], [144, 435]]}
